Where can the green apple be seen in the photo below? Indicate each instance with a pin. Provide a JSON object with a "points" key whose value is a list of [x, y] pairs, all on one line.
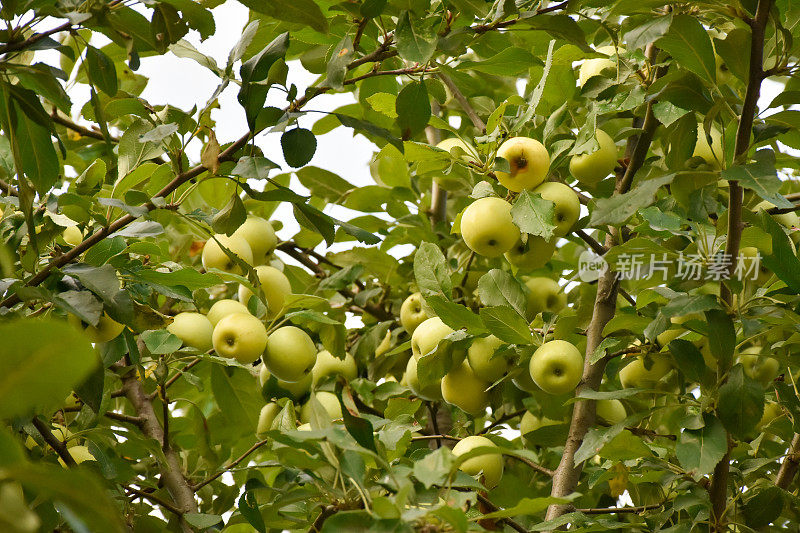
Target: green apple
{"points": [[194, 329], [594, 166], [223, 308], [329, 401], [523, 381], [79, 454], [275, 286], [772, 410], [711, 153], [328, 365], [530, 423], [529, 162], [790, 220], [215, 257], [487, 227], [462, 388], [482, 361], [452, 181], [544, 294], [636, 374], [105, 330], [490, 465], [260, 235], [433, 392], [611, 411], [749, 258], [290, 354], [297, 389], [567, 205], [533, 254], [556, 367], [667, 336], [411, 313], [240, 336], [593, 67], [427, 336], [72, 235], [758, 367], [266, 417]]}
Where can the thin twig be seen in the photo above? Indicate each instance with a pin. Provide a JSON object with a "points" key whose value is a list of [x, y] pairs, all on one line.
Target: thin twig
{"points": [[155, 499], [230, 465], [502, 420], [35, 38], [493, 508], [621, 510], [59, 447]]}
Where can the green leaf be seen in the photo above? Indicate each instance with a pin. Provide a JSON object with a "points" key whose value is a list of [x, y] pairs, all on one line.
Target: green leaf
{"points": [[383, 103], [323, 183], [41, 361], [350, 521], [229, 218], [689, 359], [431, 271], [369, 127], [498, 287], [133, 152], [102, 72], [253, 167], [689, 45], [506, 324], [298, 146], [596, 439], [202, 521], [782, 261], [434, 468], [432, 367], [741, 403], [721, 336], [625, 446], [305, 12], [700, 450], [238, 397], [413, 109], [528, 506], [765, 507], [416, 41], [619, 208], [686, 304], [455, 315], [82, 304], [534, 215], [508, 62], [760, 177], [160, 341], [337, 66], [42, 79]]}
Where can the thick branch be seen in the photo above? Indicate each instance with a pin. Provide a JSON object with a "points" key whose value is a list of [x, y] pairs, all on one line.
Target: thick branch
{"points": [[790, 464]]}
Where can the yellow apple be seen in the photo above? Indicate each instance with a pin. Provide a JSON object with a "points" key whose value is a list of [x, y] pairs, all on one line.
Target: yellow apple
{"points": [[490, 465], [240, 336], [79, 454], [530, 423], [194, 329], [556, 367], [487, 227], [593, 67], [533, 254], [215, 257], [592, 167], [290, 353], [411, 313], [266, 417], [636, 374], [712, 153], [328, 365], [427, 336], [433, 392], [567, 208], [105, 330], [73, 235], [529, 162], [758, 366], [482, 362], [611, 411], [462, 388], [223, 308], [328, 400], [260, 235], [544, 294], [275, 286]]}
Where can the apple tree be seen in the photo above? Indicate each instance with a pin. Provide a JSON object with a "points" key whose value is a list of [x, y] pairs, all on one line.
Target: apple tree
{"points": [[567, 297]]}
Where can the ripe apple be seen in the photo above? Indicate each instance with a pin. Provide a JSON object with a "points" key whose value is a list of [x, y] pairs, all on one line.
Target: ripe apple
{"points": [[105, 330], [489, 464], [462, 388], [260, 235], [72, 235], [530, 423], [593, 67], [240, 336], [328, 365], [533, 254], [427, 336], [290, 354], [611, 411], [544, 294], [712, 153], [556, 367], [297, 389], [567, 205], [411, 313], [194, 329], [433, 392], [529, 163], [79, 454], [669, 335], [487, 227], [636, 374], [275, 286], [758, 366], [223, 308], [328, 400], [215, 257], [594, 166], [266, 417], [482, 362]]}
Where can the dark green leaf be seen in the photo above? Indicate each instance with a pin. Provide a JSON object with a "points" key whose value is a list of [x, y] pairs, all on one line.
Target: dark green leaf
{"points": [[700, 450], [689, 359], [298, 146], [782, 261], [413, 109], [431, 271], [619, 208], [455, 315], [741, 403], [416, 40], [498, 287], [230, 217], [161, 341], [305, 12], [765, 507], [102, 72], [721, 336], [506, 324], [688, 43]]}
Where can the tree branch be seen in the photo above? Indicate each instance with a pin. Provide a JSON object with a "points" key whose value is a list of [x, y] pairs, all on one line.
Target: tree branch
{"points": [[502, 420], [326, 512], [621, 510], [59, 447], [35, 38], [463, 102], [483, 28], [230, 465], [155, 499], [790, 464], [493, 508]]}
